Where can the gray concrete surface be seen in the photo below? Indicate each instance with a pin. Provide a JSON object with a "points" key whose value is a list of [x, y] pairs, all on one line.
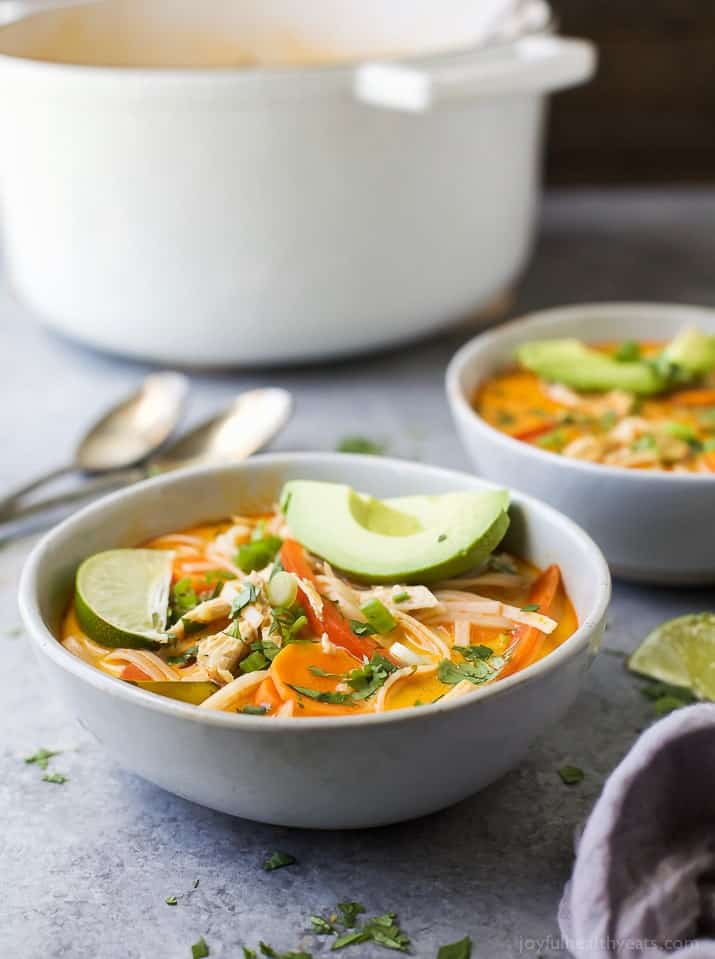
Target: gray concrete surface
{"points": [[85, 867]]}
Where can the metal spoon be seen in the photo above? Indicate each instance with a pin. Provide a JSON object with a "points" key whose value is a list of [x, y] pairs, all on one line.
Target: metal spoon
{"points": [[130, 432], [251, 421]]}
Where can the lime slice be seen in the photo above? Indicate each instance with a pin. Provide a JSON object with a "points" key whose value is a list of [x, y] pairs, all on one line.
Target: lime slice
{"points": [[680, 652], [186, 691], [122, 597]]}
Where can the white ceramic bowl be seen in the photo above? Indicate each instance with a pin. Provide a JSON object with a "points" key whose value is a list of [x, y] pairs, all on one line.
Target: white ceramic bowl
{"points": [[288, 213], [653, 526], [328, 772]]}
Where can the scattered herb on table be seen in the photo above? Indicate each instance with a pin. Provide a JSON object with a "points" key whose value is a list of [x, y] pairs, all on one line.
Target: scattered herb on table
{"points": [[348, 912], [42, 757], [360, 444], [171, 901], [278, 860], [196, 883], [55, 778], [271, 953], [200, 949], [571, 775], [666, 698], [321, 926], [456, 950]]}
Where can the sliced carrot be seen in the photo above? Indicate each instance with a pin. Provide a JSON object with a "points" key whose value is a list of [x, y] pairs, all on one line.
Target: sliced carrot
{"points": [[527, 638], [134, 674], [702, 397], [535, 431], [709, 460], [291, 671], [267, 695], [331, 620]]}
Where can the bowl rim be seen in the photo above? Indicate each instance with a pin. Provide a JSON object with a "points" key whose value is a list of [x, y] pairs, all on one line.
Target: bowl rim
{"points": [[259, 75], [47, 643], [464, 357]]}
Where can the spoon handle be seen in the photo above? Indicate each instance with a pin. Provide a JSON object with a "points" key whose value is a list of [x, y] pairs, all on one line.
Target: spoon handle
{"points": [[8, 501]]}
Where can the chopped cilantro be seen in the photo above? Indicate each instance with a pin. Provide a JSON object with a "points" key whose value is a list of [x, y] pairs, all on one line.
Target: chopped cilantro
{"points": [[360, 444], [247, 595], [55, 778], [530, 608], [288, 622], [254, 710], [645, 442], [628, 352], [171, 901], [367, 679], [608, 420], [501, 564], [361, 629], [188, 656], [199, 950], [349, 911], [278, 860], [182, 600], [571, 775], [681, 431], [456, 950], [234, 630], [321, 926], [317, 671], [400, 597], [476, 672], [474, 653], [504, 417], [258, 553], [335, 699], [42, 757], [553, 440]]}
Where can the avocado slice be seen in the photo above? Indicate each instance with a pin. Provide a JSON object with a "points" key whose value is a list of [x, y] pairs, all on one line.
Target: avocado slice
{"points": [[692, 350], [186, 691], [412, 539], [571, 362]]}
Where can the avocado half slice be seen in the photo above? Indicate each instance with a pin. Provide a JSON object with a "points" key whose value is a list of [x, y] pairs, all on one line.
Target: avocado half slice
{"points": [[412, 539], [574, 364]]}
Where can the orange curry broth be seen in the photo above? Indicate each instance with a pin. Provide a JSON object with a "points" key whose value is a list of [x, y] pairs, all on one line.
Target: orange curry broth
{"points": [[290, 666], [515, 402]]}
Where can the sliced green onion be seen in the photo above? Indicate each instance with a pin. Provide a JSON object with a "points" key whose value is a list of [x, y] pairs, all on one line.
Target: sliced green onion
{"points": [[253, 662], [680, 431], [257, 554], [379, 616], [282, 589]]}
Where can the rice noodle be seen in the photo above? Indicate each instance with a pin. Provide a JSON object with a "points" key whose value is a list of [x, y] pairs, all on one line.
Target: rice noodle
{"points": [[462, 632], [422, 636], [457, 603], [231, 694], [148, 662], [505, 580], [390, 682]]}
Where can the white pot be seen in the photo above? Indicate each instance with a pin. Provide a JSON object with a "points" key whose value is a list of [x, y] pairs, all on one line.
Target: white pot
{"points": [[335, 772], [213, 216]]}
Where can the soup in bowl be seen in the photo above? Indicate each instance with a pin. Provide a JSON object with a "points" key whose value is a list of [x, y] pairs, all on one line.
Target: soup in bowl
{"points": [[268, 661]]}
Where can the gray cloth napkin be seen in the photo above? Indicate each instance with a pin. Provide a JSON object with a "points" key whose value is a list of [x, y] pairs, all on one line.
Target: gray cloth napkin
{"points": [[644, 879]]}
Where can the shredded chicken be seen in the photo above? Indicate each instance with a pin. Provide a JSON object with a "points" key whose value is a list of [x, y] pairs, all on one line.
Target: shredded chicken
{"points": [[220, 655]]}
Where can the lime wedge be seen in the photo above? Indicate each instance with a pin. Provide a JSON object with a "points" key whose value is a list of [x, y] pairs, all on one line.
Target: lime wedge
{"points": [[122, 597], [680, 652], [186, 691]]}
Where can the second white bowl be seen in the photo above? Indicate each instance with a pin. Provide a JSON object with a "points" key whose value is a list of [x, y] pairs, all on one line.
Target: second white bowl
{"points": [[653, 526]]}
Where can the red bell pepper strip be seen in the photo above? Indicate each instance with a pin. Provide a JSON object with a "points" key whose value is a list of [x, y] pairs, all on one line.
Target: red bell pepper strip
{"points": [[527, 638], [535, 431], [331, 620], [134, 674]]}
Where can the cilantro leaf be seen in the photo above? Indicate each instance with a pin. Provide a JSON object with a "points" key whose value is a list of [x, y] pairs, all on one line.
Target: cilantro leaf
{"points": [[361, 629], [456, 950], [200, 949], [360, 444], [474, 653], [349, 911], [247, 595], [55, 778], [182, 600], [218, 575], [42, 757], [278, 860], [334, 698], [451, 673], [571, 775], [188, 656]]}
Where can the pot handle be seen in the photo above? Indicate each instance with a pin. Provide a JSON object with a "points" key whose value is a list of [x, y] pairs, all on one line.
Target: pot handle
{"points": [[534, 65]]}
